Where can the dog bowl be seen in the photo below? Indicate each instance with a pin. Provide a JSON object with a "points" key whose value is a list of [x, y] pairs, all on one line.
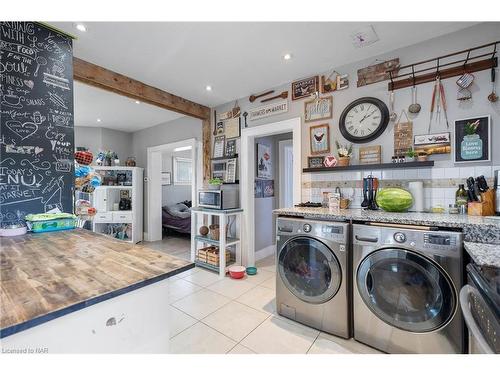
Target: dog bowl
{"points": [[251, 271], [236, 272]]}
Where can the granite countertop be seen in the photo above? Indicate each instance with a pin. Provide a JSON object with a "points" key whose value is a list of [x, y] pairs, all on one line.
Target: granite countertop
{"points": [[48, 275], [475, 228], [484, 254]]}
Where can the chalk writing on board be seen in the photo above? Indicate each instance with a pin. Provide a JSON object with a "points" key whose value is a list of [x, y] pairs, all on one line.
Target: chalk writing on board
{"points": [[36, 120]]}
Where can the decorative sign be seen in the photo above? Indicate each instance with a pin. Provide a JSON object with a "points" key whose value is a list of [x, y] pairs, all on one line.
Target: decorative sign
{"points": [[233, 113], [315, 161], [230, 147], [268, 110], [264, 161], [219, 146], [305, 88], [370, 155], [230, 176], [320, 139], [438, 143], [232, 127], [318, 109], [36, 121], [337, 83], [377, 73], [330, 161], [403, 138], [472, 139], [264, 188], [219, 128]]}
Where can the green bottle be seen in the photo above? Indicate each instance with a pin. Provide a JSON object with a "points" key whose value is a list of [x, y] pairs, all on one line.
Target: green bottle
{"points": [[461, 199]]}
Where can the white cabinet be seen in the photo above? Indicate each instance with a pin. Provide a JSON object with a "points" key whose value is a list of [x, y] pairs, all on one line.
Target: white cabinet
{"points": [[111, 218]]}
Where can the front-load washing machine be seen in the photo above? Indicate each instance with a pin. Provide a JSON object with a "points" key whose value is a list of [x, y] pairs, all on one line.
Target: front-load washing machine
{"points": [[406, 282], [313, 283]]}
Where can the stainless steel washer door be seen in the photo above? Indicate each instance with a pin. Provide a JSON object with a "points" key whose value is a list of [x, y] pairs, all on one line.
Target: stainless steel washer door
{"points": [[309, 269], [406, 290]]}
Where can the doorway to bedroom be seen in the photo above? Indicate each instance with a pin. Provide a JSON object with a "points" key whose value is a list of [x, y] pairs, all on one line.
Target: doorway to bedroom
{"points": [[173, 170]]}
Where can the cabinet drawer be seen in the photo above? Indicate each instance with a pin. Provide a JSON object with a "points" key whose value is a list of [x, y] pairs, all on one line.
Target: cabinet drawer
{"points": [[103, 217], [122, 217]]}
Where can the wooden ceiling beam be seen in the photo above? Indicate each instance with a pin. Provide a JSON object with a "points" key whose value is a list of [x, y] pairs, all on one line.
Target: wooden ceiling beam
{"points": [[95, 75]]}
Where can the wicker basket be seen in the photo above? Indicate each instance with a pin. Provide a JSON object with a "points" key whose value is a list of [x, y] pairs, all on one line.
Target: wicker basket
{"points": [[210, 255], [214, 231]]}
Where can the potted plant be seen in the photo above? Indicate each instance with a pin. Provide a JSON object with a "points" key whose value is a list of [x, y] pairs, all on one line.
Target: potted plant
{"points": [[215, 183], [411, 154], [344, 153], [422, 156]]}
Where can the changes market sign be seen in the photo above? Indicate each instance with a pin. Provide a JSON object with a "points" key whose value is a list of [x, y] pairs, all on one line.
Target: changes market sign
{"points": [[268, 110]]}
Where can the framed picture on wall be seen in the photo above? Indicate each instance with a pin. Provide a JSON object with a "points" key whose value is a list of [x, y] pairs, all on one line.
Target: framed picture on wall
{"points": [[472, 139], [264, 161], [267, 188], [320, 139], [166, 178], [232, 128], [318, 109], [230, 147], [304, 88], [219, 146]]}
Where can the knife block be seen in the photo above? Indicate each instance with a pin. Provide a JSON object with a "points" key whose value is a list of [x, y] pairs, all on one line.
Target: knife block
{"points": [[484, 208]]}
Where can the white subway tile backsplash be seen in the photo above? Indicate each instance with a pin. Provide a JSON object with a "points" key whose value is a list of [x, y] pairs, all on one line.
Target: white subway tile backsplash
{"points": [[357, 175], [437, 173], [398, 174], [449, 193], [466, 172], [424, 173], [438, 193], [411, 174], [482, 171], [387, 174], [451, 173]]}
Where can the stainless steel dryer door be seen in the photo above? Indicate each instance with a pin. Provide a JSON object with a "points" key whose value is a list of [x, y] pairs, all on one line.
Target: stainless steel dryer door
{"points": [[309, 269], [406, 290]]}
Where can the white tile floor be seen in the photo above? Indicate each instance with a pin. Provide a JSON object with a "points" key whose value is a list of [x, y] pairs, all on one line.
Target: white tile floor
{"points": [[213, 316]]}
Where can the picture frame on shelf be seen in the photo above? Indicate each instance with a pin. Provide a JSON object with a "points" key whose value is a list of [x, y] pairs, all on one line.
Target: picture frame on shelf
{"points": [[319, 139], [473, 139], [219, 142], [436, 143], [304, 88], [230, 176], [318, 109], [315, 161]]}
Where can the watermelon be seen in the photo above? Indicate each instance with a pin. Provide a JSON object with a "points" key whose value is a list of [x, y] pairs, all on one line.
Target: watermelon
{"points": [[394, 199]]}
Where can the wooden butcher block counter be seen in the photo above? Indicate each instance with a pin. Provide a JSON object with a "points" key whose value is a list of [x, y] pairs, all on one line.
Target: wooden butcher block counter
{"points": [[48, 275]]}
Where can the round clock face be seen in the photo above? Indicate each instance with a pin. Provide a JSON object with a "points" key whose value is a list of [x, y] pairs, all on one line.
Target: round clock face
{"points": [[364, 120]]}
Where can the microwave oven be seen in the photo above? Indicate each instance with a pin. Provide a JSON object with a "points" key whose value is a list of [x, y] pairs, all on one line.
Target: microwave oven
{"points": [[224, 198]]}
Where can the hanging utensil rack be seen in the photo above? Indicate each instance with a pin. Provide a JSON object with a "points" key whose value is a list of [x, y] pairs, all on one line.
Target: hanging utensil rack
{"points": [[444, 68]]}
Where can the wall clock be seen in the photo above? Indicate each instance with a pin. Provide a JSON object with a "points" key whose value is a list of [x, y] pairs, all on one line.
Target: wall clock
{"points": [[364, 120]]}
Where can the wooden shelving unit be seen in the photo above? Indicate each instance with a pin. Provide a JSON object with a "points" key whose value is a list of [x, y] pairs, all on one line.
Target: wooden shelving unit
{"points": [[361, 167]]}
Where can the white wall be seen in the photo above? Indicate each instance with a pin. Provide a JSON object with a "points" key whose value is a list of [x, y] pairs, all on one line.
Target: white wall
{"points": [[100, 139], [479, 105], [172, 194]]}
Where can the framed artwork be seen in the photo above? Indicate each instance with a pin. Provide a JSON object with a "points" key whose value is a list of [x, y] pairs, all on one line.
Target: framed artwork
{"points": [[370, 154], [230, 147], [472, 139], [304, 88], [437, 143], [315, 161], [219, 128], [230, 176], [258, 189], [166, 178], [219, 146], [232, 128], [320, 139], [267, 188], [318, 109], [264, 161]]}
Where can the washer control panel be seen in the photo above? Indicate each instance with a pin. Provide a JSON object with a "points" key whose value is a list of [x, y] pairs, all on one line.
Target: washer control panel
{"points": [[399, 237], [306, 228]]}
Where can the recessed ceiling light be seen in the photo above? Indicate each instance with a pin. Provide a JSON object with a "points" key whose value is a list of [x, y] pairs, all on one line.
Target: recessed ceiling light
{"points": [[81, 27], [287, 56], [208, 88], [98, 120], [137, 102]]}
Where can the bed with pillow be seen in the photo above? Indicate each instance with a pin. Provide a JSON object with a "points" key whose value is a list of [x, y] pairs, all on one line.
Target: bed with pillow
{"points": [[177, 217]]}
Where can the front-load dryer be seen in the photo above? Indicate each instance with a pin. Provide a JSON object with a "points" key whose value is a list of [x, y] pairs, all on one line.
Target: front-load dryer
{"points": [[405, 289], [312, 282]]}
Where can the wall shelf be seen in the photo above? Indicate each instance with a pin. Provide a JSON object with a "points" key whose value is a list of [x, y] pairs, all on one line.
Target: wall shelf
{"points": [[361, 167], [235, 156]]}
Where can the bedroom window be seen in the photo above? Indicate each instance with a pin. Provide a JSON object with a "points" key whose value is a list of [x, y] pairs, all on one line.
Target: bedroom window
{"points": [[183, 171]]}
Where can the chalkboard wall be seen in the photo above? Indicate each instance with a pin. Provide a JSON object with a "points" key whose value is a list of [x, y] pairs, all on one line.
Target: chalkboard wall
{"points": [[36, 120]]}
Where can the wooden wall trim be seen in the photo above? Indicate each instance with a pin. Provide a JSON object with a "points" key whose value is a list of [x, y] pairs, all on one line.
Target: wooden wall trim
{"points": [[207, 149], [106, 79]]}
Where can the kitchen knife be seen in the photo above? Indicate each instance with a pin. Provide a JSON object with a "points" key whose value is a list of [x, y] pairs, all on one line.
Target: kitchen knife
{"points": [[482, 184], [472, 188]]}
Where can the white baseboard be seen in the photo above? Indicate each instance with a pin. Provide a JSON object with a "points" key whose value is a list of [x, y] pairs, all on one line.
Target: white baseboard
{"points": [[265, 252]]}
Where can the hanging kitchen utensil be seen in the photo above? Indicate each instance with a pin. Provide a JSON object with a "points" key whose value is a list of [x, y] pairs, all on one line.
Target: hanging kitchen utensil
{"points": [[442, 96], [392, 115], [465, 80], [252, 98], [283, 95], [493, 97], [433, 103], [464, 94], [414, 107]]}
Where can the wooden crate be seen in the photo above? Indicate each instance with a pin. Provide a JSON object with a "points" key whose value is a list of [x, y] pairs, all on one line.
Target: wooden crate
{"points": [[210, 255]]}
